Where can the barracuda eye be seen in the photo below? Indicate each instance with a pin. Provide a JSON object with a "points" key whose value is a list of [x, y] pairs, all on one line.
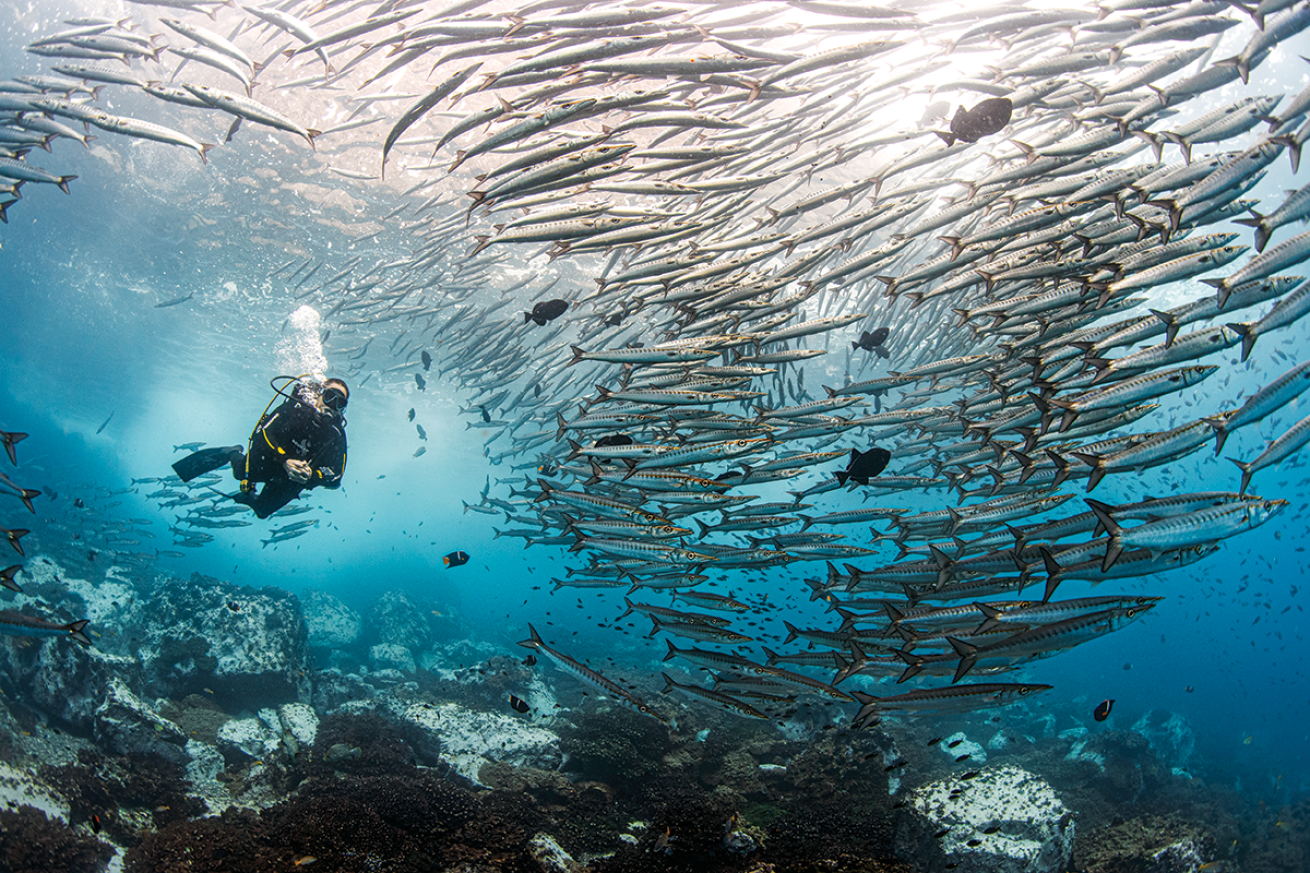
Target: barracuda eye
{"points": [[1023, 691]]}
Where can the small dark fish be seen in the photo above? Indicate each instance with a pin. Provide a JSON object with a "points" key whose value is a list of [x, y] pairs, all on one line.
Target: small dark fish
{"points": [[427, 360], [941, 833], [864, 466], [411, 413], [422, 434], [486, 416], [95, 823], [615, 439], [1102, 712], [11, 439], [872, 342], [232, 130], [964, 758], [547, 310], [518, 704], [234, 606], [422, 450], [992, 830], [971, 125], [106, 424], [77, 501], [418, 380], [169, 303], [536, 390], [934, 742], [455, 559], [953, 744], [974, 843], [894, 765], [971, 774], [1189, 689], [530, 661]]}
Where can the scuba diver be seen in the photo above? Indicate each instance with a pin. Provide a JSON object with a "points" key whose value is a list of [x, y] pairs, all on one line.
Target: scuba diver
{"points": [[299, 445]]}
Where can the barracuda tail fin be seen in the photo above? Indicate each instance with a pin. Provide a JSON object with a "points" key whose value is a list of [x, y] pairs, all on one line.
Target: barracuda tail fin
{"points": [[74, 629], [14, 537], [968, 657], [1247, 472], [533, 641], [848, 619], [792, 631], [1246, 330], [1220, 426], [7, 577], [1053, 577]]}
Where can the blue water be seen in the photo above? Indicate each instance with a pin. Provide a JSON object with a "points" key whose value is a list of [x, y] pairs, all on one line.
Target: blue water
{"points": [[81, 277]]}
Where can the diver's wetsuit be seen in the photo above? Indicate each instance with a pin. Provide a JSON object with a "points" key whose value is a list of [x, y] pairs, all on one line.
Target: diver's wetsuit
{"points": [[293, 431]]}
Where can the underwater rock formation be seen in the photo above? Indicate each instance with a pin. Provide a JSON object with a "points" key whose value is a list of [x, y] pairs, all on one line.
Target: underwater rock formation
{"points": [[330, 622], [1170, 736], [245, 646], [126, 725], [1005, 820]]}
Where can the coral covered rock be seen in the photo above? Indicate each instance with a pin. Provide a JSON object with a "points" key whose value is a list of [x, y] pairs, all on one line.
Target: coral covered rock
{"points": [[1005, 820], [247, 646]]}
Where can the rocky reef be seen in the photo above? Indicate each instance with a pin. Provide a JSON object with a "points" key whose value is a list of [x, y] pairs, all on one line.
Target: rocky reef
{"points": [[220, 728]]}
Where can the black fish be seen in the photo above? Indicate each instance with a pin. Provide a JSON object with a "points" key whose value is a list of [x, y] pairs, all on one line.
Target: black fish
{"points": [[971, 125], [530, 661], [864, 466], [536, 390], [873, 342], [422, 434], [418, 380], [106, 424], [427, 361], [95, 819], [411, 414], [1102, 712], [486, 416], [518, 704], [455, 559], [615, 439], [232, 129], [548, 310], [234, 606]]}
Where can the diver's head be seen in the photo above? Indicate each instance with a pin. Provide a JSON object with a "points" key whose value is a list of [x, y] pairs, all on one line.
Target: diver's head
{"points": [[335, 395]]}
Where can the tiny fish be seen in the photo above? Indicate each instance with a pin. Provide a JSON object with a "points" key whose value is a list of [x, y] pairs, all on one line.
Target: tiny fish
{"points": [[964, 758], [1102, 712], [971, 774], [953, 744], [418, 380], [411, 413], [530, 661], [427, 361], [518, 704], [456, 559], [421, 451]]}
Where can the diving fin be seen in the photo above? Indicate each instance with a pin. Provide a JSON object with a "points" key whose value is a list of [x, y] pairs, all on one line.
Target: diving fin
{"points": [[205, 461]]}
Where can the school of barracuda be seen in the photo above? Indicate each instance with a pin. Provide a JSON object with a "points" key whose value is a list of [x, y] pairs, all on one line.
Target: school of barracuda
{"points": [[747, 185]]}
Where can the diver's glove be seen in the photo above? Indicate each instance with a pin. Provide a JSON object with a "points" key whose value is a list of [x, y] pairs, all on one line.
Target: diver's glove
{"points": [[299, 471]]}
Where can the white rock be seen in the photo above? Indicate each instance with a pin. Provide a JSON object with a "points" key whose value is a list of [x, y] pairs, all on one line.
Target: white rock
{"points": [[390, 656], [1036, 830], [331, 623], [469, 739], [18, 787], [977, 754], [126, 724], [202, 772], [550, 855], [249, 736], [299, 720]]}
